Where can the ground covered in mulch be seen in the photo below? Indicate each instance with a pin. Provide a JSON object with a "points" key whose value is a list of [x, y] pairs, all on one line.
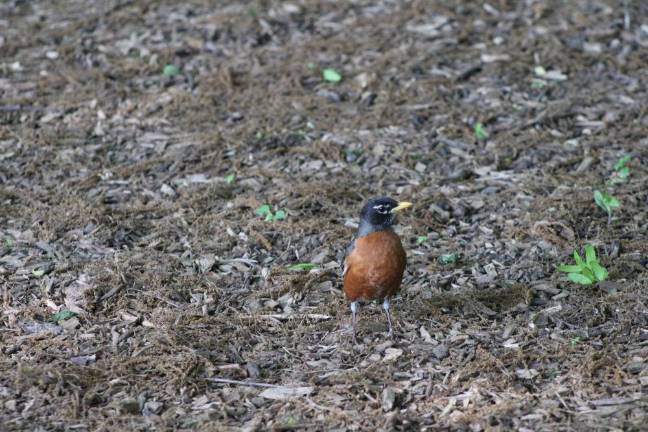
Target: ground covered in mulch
{"points": [[141, 291]]}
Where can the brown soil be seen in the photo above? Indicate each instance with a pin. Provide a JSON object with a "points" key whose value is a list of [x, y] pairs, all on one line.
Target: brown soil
{"points": [[114, 204]]}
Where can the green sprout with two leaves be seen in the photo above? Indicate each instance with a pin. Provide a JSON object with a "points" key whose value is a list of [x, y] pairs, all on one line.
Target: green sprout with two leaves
{"points": [[607, 202], [265, 211], [621, 170], [585, 272]]}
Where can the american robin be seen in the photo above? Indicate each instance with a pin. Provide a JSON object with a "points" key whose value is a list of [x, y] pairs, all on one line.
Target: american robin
{"points": [[375, 261]]}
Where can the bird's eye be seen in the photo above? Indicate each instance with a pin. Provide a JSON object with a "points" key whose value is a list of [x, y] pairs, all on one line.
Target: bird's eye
{"points": [[381, 209]]}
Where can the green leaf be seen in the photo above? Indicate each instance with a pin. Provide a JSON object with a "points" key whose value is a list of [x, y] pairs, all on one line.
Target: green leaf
{"points": [[63, 315], [622, 162], [612, 202], [590, 254], [230, 178], [619, 176], [578, 259], [480, 132], [279, 215], [600, 201], [589, 274], [623, 173], [570, 268], [268, 217], [606, 201], [264, 210], [600, 273], [331, 75], [170, 70], [421, 239], [306, 266], [38, 272], [448, 258], [580, 279]]}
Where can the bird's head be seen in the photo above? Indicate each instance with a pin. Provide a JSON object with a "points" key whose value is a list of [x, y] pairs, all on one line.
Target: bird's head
{"points": [[379, 214]]}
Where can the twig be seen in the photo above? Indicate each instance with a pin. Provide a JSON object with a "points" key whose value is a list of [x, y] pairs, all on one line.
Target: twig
{"points": [[243, 383], [336, 411], [287, 317], [562, 401], [169, 302]]}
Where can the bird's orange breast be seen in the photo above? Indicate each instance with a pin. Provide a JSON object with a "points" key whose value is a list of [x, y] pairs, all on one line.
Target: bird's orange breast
{"points": [[375, 266]]}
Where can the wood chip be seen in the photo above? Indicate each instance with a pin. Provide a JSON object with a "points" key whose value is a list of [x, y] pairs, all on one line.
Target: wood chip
{"points": [[283, 393], [392, 354]]}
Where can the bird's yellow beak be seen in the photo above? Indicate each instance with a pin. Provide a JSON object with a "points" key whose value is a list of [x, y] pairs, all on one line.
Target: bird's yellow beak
{"points": [[401, 205]]}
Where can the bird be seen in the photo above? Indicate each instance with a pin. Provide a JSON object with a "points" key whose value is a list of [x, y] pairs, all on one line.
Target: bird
{"points": [[375, 260]]}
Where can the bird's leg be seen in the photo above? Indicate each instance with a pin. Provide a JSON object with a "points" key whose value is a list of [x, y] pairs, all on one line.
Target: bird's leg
{"points": [[389, 321], [354, 309]]}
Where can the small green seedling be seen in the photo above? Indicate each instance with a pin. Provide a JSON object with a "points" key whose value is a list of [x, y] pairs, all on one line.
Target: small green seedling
{"points": [[585, 272], [621, 170], [607, 202], [170, 70], [448, 259], [265, 211], [230, 178], [622, 163], [62, 315], [621, 175], [331, 75], [421, 239], [480, 132], [306, 266], [575, 341]]}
